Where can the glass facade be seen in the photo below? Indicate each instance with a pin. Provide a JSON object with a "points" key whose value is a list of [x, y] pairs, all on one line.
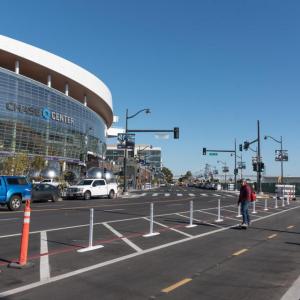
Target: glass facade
{"points": [[39, 120]]}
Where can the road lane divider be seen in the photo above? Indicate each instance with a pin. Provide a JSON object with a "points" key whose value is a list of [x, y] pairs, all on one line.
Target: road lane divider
{"points": [[219, 212], [191, 225], [91, 235], [240, 252], [124, 239], [239, 215], [151, 233], [291, 226], [23, 262], [176, 285]]}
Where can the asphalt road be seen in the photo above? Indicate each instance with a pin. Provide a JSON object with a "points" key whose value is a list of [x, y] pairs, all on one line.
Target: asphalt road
{"points": [[213, 260]]}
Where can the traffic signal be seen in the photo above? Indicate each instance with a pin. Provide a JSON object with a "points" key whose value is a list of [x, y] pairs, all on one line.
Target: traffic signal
{"points": [[176, 132], [241, 147], [246, 145], [104, 170], [255, 167], [204, 151], [261, 167], [236, 171]]}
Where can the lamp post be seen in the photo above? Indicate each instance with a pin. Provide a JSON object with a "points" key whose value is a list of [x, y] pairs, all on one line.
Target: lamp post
{"points": [[281, 160], [147, 111]]}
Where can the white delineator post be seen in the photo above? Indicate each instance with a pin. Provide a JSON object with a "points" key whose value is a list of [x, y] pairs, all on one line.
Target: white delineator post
{"points": [[91, 234], [151, 233], [254, 210], [191, 216], [219, 212], [276, 202], [266, 204], [239, 215], [283, 205], [288, 200]]}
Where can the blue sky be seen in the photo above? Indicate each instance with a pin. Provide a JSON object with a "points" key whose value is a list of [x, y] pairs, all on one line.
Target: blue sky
{"points": [[212, 68]]}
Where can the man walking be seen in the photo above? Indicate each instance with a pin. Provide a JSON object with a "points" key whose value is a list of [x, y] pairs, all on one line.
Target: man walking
{"points": [[244, 200]]}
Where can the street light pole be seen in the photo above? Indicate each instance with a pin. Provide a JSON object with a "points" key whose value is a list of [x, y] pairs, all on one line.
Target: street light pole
{"points": [[235, 169], [258, 159]]}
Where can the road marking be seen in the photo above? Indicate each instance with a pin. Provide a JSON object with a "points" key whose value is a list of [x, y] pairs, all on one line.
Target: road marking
{"points": [[176, 285], [167, 194], [10, 219], [200, 221], [205, 195], [143, 194], [291, 226], [192, 195], [272, 236], [173, 229], [179, 195], [155, 195], [117, 209], [126, 240], [293, 291], [44, 259], [240, 252], [206, 212], [217, 195]]}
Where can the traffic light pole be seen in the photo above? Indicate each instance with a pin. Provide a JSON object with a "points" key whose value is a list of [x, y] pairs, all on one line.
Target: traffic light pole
{"points": [[258, 160], [125, 190], [235, 186]]}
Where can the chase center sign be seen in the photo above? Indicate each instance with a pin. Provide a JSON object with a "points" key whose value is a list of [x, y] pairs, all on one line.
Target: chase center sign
{"points": [[45, 113]]}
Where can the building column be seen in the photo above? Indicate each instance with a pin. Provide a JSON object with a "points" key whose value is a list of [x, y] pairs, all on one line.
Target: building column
{"points": [[17, 67], [67, 89], [49, 81], [85, 100]]}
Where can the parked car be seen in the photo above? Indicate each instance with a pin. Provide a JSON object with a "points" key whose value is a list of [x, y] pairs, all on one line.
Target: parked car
{"points": [[14, 190], [45, 192], [88, 188], [50, 181]]}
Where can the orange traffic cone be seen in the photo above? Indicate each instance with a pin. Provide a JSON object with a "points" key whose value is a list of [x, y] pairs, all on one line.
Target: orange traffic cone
{"points": [[22, 263]]}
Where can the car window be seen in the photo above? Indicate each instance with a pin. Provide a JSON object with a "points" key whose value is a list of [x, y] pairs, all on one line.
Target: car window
{"points": [[16, 181], [97, 183], [102, 182], [85, 182]]}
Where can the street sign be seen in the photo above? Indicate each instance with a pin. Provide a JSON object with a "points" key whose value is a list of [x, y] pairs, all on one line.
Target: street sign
{"points": [[126, 140], [225, 169], [213, 153], [281, 155], [241, 165]]}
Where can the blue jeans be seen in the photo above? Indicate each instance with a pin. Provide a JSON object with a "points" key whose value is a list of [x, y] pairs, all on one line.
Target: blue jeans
{"points": [[244, 211]]}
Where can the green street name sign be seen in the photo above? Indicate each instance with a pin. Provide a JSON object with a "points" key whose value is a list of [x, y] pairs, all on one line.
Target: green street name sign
{"points": [[213, 153]]}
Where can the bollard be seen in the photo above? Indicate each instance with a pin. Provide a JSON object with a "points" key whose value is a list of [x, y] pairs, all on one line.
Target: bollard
{"points": [[253, 204], [23, 263], [239, 215], [91, 234], [219, 212], [283, 205], [266, 204], [288, 200], [151, 233], [276, 202], [191, 216]]}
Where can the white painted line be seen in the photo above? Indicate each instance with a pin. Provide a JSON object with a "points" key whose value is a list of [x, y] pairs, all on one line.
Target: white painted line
{"points": [[117, 209], [205, 212], [217, 195], [205, 195], [201, 221], [155, 195], [179, 195], [192, 195], [10, 219], [167, 194], [126, 257], [126, 240], [144, 194], [293, 292], [173, 229], [90, 248], [44, 259]]}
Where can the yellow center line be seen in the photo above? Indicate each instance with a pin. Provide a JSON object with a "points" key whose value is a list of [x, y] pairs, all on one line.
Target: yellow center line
{"points": [[176, 285], [240, 252], [291, 226], [272, 236]]}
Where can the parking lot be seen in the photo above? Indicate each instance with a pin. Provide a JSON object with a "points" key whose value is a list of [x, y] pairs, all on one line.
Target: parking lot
{"points": [[59, 230]]}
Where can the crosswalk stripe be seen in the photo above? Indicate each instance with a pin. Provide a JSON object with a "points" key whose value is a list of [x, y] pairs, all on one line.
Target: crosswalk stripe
{"points": [[179, 195], [144, 194], [217, 195], [192, 195], [167, 194], [203, 194], [155, 195]]}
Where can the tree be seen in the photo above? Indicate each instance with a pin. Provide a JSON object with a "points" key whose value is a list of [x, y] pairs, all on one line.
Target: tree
{"points": [[21, 164], [168, 174], [38, 163]]}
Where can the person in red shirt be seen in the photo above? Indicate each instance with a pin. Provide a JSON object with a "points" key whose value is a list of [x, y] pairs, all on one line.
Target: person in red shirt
{"points": [[244, 200]]}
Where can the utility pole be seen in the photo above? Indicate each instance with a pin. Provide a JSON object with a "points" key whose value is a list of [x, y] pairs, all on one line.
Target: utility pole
{"points": [[235, 169], [258, 159]]}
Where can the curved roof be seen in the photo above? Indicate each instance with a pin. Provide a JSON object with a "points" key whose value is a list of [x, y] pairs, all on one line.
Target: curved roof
{"points": [[37, 64]]}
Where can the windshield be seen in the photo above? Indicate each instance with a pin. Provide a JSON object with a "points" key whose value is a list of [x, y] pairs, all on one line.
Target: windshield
{"points": [[85, 182]]}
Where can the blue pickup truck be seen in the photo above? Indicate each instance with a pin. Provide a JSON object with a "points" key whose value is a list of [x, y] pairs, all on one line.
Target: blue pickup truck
{"points": [[13, 191]]}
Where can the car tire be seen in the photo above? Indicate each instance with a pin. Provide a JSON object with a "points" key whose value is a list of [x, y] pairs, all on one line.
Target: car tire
{"points": [[111, 194], [15, 203], [87, 195], [54, 198]]}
